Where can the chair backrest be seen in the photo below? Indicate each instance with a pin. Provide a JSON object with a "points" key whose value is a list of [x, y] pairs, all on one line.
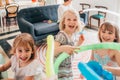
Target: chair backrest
{"points": [[85, 6], [11, 10], [86, 14], [100, 12]]}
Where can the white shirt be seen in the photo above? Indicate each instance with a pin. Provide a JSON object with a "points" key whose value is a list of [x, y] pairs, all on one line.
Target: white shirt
{"points": [[32, 69], [62, 8]]}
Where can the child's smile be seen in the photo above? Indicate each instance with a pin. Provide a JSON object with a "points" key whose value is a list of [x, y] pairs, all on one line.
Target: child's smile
{"points": [[106, 39], [70, 23], [24, 54], [23, 58], [71, 26], [107, 36]]}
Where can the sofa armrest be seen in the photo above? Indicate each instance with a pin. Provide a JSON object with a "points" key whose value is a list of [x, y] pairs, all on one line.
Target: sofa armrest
{"points": [[25, 26]]}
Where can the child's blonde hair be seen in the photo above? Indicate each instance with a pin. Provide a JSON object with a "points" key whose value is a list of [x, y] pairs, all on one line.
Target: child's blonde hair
{"points": [[109, 27], [71, 11], [24, 40]]}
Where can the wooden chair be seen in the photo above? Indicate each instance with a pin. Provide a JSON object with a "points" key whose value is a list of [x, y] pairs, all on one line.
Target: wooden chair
{"points": [[11, 13], [85, 6], [99, 16]]}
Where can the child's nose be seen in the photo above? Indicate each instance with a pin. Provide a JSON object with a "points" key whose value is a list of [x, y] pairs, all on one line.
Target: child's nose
{"points": [[23, 53], [106, 35]]}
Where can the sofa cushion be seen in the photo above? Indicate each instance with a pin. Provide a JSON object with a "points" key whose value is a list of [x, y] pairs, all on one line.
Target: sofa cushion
{"points": [[51, 12], [33, 15], [44, 28]]}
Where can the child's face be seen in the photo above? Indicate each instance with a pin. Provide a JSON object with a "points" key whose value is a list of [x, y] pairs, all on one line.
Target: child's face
{"points": [[71, 23], [24, 54], [107, 36]]}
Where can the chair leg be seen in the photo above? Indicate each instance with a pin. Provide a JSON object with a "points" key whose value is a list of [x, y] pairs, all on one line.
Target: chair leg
{"points": [[3, 22], [8, 24], [15, 21], [90, 22], [98, 23]]}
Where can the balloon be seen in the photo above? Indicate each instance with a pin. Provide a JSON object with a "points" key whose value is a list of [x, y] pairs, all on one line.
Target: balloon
{"points": [[97, 67], [88, 72], [108, 11], [107, 45], [50, 56], [59, 60]]}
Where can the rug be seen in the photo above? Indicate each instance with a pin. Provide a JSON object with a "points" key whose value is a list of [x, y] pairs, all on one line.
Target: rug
{"points": [[6, 40]]}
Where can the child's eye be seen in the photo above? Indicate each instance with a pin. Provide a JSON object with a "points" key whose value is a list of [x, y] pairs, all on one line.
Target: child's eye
{"points": [[20, 50], [103, 31], [75, 20], [110, 32], [68, 19], [27, 50]]}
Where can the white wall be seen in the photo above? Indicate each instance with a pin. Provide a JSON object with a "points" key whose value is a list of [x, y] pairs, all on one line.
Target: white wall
{"points": [[113, 5]]}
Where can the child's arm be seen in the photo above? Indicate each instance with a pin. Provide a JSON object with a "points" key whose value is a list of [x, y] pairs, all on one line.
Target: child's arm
{"points": [[63, 48], [81, 39], [29, 78], [114, 70], [5, 66], [117, 57], [92, 55]]}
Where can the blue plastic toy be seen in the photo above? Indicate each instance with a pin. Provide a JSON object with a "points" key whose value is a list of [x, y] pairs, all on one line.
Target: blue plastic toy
{"points": [[94, 71]]}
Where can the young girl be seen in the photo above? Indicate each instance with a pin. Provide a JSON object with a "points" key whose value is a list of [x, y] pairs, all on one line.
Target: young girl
{"points": [[65, 41], [23, 61], [108, 32]]}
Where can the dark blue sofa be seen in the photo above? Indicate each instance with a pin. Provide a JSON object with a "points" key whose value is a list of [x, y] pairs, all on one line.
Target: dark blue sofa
{"points": [[32, 20]]}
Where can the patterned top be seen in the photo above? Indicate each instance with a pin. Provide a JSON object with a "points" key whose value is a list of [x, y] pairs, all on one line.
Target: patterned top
{"points": [[32, 69], [65, 69], [105, 60]]}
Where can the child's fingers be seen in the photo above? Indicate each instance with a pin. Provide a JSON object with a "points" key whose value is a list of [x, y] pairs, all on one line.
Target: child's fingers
{"points": [[75, 50]]}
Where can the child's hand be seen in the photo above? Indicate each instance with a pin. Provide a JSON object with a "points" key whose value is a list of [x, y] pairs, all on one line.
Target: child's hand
{"points": [[81, 39], [69, 49]]}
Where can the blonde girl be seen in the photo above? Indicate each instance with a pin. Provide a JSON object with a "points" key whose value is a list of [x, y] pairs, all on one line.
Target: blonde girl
{"points": [[65, 41]]}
